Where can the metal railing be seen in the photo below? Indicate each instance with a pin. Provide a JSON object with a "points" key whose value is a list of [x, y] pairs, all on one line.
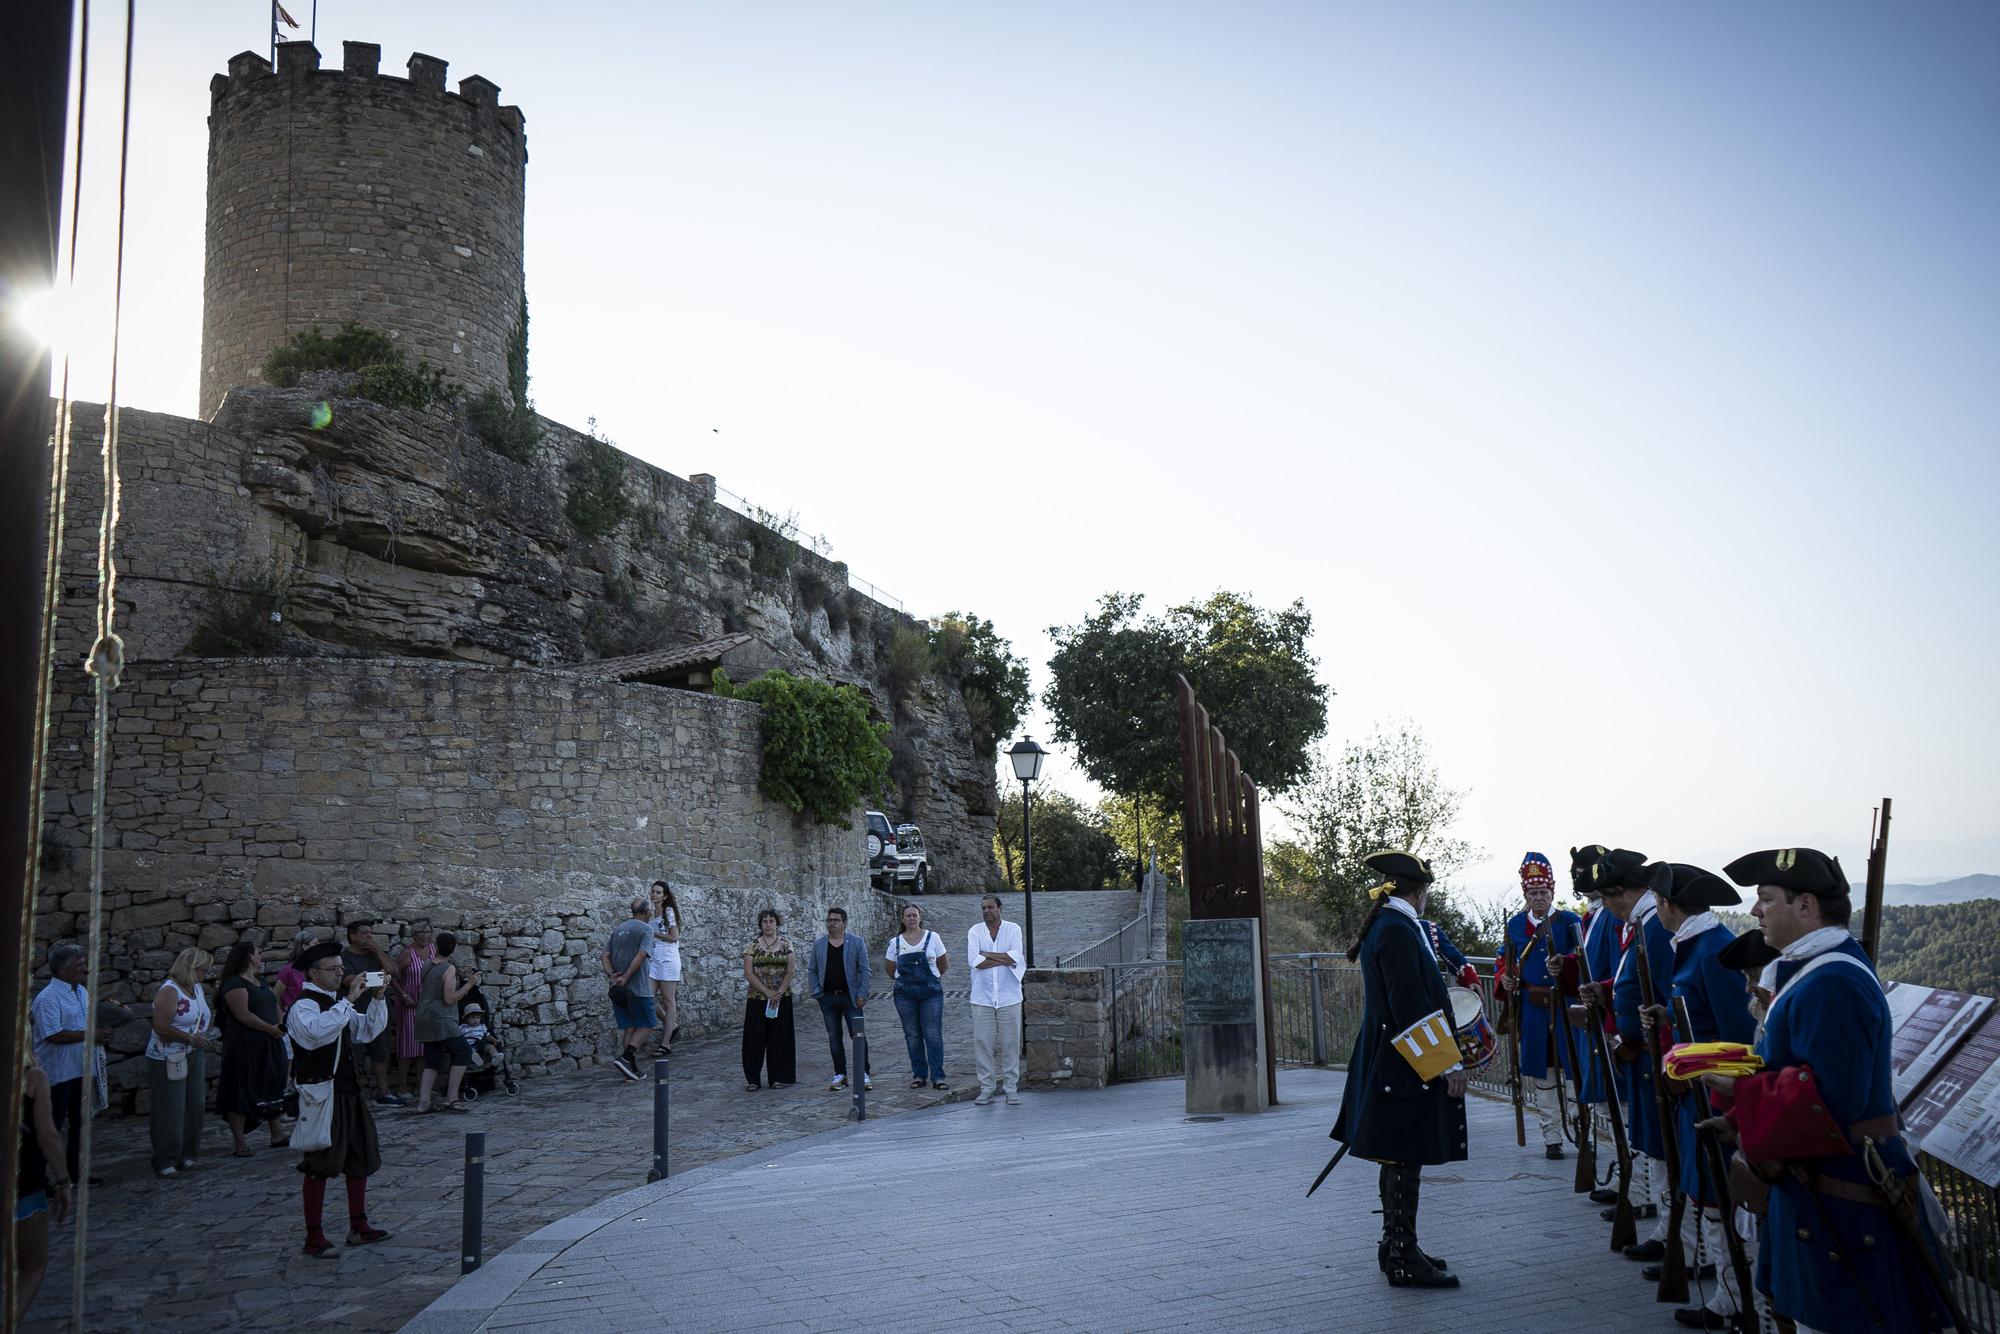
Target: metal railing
{"points": [[787, 526], [1972, 1239], [1143, 1001], [1130, 942]]}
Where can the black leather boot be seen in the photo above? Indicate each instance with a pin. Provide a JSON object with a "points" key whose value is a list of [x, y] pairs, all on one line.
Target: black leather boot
{"points": [[1382, 1246], [1408, 1267]]}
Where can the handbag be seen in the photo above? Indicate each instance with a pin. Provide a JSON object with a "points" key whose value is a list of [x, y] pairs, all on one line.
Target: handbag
{"points": [[315, 1126], [177, 1066]]}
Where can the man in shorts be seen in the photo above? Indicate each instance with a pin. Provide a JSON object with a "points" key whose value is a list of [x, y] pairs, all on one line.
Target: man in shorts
{"points": [[631, 1000]]}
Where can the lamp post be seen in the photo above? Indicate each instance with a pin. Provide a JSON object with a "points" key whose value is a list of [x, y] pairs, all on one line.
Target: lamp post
{"points": [[1027, 758]]}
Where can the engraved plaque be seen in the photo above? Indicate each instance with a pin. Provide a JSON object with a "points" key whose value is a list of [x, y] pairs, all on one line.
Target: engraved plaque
{"points": [[1219, 970]]}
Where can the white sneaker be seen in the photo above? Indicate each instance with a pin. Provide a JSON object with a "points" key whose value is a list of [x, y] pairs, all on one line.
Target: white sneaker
{"points": [[839, 1082], [985, 1098], [1013, 1100], [867, 1081]]}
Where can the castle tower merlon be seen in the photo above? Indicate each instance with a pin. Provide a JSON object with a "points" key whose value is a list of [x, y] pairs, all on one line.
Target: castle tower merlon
{"points": [[298, 58], [361, 58], [427, 71], [480, 91], [247, 65]]}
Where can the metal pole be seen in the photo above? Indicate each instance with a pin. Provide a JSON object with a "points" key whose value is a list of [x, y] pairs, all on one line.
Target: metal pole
{"points": [[1319, 1019], [659, 1171], [1028, 868], [475, 1200], [858, 1076]]}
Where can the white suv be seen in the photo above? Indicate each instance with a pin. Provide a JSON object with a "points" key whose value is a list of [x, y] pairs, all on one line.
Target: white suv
{"points": [[913, 865], [881, 851]]}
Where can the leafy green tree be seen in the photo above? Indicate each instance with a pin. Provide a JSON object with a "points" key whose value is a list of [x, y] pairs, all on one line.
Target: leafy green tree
{"points": [[822, 755], [1147, 825], [1111, 693], [992, 679], [1072, 849], [1383, 792]]}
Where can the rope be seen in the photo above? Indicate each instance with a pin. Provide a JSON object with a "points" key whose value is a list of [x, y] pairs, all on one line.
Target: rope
{"points": [[107, 663]]}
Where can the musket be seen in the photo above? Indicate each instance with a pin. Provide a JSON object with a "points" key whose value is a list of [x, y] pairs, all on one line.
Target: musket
{"points": [[1624, 1224], [1673, 1270], [1902, 1210], [1514, 999], [1713, 1164], [1554, 1055]]}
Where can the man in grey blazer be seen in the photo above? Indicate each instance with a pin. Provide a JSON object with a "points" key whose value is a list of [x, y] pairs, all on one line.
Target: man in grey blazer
{"points": [[837, 971]]}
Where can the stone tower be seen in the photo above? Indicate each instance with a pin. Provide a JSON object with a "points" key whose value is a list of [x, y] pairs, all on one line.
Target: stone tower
{"points": [[354, 195]]}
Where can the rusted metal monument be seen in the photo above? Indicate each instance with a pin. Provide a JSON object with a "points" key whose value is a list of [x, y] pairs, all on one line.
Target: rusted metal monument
{"points": [[1223, 863]]}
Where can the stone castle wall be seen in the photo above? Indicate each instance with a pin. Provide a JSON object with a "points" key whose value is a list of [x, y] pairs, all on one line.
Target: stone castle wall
{"points": [[396, 532], [348, 194], [521, 808]]}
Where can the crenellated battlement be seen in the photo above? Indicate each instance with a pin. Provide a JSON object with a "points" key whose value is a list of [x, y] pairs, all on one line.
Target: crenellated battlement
{"points": [[425, 74]]}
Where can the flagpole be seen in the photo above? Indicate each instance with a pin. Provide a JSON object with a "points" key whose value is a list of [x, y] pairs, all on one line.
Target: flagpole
{"points": [[274, 33], [315, 23]]}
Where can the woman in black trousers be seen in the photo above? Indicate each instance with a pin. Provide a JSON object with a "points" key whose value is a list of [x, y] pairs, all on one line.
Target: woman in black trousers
{"points": [[768, 1040]]}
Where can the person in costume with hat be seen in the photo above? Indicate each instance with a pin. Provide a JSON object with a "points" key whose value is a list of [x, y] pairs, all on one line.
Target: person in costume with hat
{"points": [[1403, 1105], [1597, 959], [330, 1025], [1543, 1050], [1718, 1010], [1626, 884], [1844, 1248]]}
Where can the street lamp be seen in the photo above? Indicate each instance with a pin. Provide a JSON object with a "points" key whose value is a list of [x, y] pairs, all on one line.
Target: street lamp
{"points": [[1027, 759]]}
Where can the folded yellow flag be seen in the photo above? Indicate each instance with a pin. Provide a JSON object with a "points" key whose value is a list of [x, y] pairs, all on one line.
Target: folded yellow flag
{"points": [[1690, 1059], [1429, 1046]]}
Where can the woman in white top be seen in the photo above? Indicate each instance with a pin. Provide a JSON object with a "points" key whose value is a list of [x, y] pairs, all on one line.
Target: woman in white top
{"points": [[175, 1063], [918, 962], [663, 964]]}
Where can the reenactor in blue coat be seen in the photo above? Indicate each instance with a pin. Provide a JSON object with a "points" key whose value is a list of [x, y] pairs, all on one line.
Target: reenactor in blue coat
{"points": [[1403, 1106], [1597, 960], [1543, 1050], [1718, 1010], [1845, 1246], [1622, 879]]}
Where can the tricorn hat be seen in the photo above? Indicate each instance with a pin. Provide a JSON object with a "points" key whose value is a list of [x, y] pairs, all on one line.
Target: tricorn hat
{"points": [[1747, 953], [1580, 862], [1406, 867], [1801, 870], [1617, 871], [1694, 888], [316, 954]]}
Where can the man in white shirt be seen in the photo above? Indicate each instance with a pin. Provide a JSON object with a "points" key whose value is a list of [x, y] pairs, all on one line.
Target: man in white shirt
{"points": [[998, 962]]}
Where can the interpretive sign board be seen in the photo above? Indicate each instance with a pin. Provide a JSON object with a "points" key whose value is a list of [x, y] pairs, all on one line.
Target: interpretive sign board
{"points": [[1929, 1024], [1222, 1015]]}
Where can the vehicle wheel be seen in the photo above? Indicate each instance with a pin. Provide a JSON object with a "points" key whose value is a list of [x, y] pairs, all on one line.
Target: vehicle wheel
{"points": [[468, 1093], [923, 881]]}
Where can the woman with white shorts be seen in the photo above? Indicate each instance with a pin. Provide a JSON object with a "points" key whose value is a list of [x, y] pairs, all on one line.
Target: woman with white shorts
{"points": [[663, 966]]}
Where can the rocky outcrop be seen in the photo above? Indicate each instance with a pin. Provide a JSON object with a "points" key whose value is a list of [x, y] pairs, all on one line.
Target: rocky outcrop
{"points": [[376, 531]]}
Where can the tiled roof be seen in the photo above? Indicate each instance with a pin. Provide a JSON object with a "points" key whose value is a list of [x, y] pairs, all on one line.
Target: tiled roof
{"points": [[664, 661]]}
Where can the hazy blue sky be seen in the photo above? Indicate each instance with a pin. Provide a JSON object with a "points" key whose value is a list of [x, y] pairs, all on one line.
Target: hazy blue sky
{"points": [[1618, 385]]}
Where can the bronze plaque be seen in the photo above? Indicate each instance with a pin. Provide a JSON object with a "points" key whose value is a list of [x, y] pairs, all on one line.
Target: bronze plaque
{"points": [[1219, 970]]}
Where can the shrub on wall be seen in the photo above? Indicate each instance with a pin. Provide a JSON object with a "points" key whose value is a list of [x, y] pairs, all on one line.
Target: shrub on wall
{"points": [[245, 616], [906, 662], [507, 428], [822, 755], [385, 374], [596, 503]]}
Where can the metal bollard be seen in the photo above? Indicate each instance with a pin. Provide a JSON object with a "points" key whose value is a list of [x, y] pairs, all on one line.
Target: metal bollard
{"points": [[1319, 1017], [858, 1067], [475, 1201], [659, 1171]]}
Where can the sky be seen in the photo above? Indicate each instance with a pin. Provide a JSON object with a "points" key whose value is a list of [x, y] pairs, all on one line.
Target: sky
{"points": [[1617, 385]]}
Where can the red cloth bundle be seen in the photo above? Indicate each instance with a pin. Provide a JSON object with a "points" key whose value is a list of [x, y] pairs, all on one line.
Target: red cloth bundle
{"points": [[1779, 1116]]}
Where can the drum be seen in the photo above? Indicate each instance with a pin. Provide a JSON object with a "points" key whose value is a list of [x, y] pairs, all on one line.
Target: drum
{"points": [[1478, 1044]]}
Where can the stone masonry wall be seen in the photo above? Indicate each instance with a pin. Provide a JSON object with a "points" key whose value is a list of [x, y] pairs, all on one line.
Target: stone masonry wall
{"points": [[1068, 1031], [348, 194], [396, 532], [521, 808]]}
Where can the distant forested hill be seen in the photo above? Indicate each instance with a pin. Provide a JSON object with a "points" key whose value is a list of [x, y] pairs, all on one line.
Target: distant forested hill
{"points": [[1954, 945]]}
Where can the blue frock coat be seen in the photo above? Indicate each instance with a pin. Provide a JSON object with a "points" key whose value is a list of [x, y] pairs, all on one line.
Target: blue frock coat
{"points": [[1538, 1032], [1387, 1114], [1718, 1007], [1600, 957], [1642, 1120], [1836, 1020]]}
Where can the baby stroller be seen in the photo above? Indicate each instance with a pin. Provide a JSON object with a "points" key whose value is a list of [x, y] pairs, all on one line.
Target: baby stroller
{"points": [[488, 1071]]}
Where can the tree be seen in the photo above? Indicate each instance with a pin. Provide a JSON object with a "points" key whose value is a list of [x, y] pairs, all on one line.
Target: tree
{"points": [[993, 681], [1383, 792], [1111, 692], [1148, 825], [1072, 849]]}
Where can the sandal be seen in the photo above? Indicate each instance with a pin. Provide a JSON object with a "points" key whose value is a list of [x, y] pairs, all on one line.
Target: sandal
{"points": [[245, 1151], [755, 1088], [916, 1083], [939, 1084], [455, 1108], [319, 1248]]}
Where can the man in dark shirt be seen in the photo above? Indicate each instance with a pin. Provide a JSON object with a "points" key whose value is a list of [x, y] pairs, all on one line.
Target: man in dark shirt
{"points": [[837, 970]]}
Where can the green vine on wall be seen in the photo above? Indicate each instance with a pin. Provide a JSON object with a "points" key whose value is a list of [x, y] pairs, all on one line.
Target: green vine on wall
{"points": [[596, 502], [822, 755], [386, 375]]}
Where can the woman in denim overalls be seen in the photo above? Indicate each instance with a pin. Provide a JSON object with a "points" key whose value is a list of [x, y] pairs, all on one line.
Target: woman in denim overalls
{"points": [[920, 996]]}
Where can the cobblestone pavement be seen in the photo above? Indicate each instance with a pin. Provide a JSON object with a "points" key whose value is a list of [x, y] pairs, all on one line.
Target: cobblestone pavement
{"points": [[218, 1249], [1104, 1211]]}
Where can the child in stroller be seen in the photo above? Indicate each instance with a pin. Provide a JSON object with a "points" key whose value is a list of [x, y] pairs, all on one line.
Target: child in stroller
{"points": [[489, 1058]]}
